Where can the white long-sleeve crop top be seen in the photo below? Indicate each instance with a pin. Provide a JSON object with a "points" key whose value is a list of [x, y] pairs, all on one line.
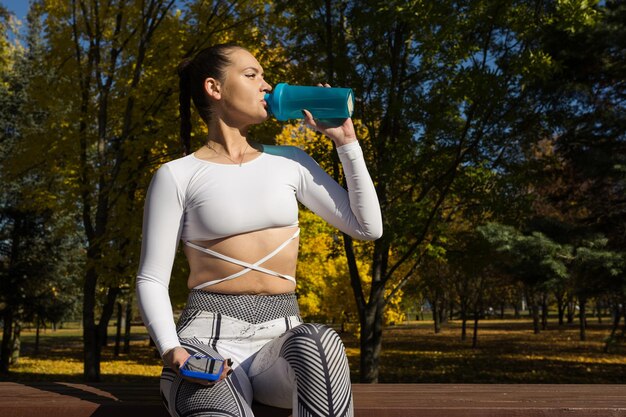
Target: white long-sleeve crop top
{"points": [[193, 199]]}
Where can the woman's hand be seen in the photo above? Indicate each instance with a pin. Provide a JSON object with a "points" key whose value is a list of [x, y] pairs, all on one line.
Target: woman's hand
{"points": [[341, 133], [176, 357]]}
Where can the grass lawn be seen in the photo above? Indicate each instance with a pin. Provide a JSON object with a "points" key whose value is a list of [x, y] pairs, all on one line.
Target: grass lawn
{"points": [[507, 352], [60, 358]]}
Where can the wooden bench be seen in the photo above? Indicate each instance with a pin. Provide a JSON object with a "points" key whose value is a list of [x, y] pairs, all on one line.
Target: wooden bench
{"points": [[381, 400]]}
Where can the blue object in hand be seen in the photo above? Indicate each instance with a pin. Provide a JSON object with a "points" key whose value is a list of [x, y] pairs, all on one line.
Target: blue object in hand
{"points": [[287, 102], [203, 367]]}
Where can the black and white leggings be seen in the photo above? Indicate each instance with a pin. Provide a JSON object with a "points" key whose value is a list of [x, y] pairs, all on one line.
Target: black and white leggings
{"points": [[277, 360]]}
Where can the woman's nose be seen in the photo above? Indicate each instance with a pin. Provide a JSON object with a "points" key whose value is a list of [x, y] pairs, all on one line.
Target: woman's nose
{"points": [[266, 87]]}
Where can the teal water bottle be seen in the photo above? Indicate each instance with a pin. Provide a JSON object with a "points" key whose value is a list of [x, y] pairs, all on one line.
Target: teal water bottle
{"points": [[287, 102]]}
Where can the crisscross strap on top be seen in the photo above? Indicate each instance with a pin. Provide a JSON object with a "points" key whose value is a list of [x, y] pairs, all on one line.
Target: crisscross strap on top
{"points": [[247, 266]]}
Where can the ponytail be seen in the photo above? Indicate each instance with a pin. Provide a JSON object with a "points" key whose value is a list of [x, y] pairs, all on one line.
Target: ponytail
{"points": [[209, 62], [184, 105]]}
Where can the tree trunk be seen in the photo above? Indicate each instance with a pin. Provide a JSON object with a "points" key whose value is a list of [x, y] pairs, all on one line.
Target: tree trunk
{"points": [[463, 302], [583, 319], [92, 344], [127, 329], [463, 324], [436, 320], [37, 335], [535, 314], [611, 340], [544, 312], [571, 311], [118, 333], [624, 314], [371, 344], [370, 312], [443, 313], [7, 332], [560, 297], [371, 337], [16, 342], [107, 311], [475, 334], [94, 334]]}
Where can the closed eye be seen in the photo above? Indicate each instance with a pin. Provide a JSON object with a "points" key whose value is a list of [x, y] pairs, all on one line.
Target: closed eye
{"points": [[253, 72]]}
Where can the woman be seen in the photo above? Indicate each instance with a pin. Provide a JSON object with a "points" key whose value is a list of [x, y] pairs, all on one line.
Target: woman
{"points": [[233, 203]]}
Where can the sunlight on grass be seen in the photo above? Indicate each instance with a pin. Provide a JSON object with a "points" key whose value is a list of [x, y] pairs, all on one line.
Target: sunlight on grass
{"points": [[122, 367], [29, 365], [566, 358], [61, 357], [508, 352]]}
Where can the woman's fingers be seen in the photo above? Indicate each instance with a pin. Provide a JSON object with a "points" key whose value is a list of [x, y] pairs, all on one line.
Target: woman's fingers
{"points": [[309, 120], [227, 369], [204, 382], [341, 131], [308, 117]]}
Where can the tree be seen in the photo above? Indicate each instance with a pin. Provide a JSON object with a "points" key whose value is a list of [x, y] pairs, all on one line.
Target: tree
{"points": [[469, 259], [596, 270], [37, 253], [110, 115], [88, 52], [583, 175], [585, 98], [533, 259], [38, 273], [436, 286], [441, 88]]}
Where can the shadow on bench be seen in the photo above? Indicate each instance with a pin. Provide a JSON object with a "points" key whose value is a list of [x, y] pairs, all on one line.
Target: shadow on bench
{"points": [[381, 400]]}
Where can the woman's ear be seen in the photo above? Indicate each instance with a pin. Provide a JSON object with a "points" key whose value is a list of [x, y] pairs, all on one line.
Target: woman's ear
{"points": [[213, 88]]}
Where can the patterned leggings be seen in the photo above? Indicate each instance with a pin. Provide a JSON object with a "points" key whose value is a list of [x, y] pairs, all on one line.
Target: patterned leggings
{"points": [[278, 360]]}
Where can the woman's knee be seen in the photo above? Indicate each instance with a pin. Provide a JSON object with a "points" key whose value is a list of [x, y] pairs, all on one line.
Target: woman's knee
{"points": [[321, 336]]}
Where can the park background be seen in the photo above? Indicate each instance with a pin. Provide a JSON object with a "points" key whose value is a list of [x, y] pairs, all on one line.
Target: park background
{"points": [[493, 130]]}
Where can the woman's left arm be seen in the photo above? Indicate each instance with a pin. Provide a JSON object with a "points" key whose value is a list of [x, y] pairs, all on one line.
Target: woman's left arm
{"points": [[355, 211]]}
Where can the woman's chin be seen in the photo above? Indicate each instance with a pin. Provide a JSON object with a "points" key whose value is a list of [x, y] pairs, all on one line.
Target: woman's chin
{"points": [[264, 117]]}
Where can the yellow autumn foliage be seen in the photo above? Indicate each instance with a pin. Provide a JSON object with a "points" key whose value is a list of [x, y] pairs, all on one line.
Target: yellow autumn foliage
{"points": [[324, 289]]}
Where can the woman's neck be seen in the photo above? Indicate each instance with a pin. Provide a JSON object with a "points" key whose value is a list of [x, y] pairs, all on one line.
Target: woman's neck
{"points": [[227, 139]]}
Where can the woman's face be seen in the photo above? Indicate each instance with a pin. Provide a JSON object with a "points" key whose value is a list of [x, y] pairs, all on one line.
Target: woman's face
{"points": [[243, 91]]}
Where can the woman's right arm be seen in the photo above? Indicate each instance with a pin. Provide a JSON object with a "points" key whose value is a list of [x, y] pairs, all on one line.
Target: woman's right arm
{"points": [[162, 225]]}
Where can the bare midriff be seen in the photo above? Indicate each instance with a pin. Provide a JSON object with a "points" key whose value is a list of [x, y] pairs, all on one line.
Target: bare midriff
{"points": [[247, 247]]}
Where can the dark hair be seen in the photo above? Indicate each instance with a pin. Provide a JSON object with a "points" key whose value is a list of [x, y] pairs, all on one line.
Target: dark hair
{"points": [[210, 62]]}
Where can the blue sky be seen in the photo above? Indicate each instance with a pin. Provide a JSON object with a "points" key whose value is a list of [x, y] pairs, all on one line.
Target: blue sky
{"points": [[18, 7]]}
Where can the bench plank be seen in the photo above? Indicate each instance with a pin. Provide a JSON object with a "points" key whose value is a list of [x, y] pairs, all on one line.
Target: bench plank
{"points": [[380, 400], [469, 400]]}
